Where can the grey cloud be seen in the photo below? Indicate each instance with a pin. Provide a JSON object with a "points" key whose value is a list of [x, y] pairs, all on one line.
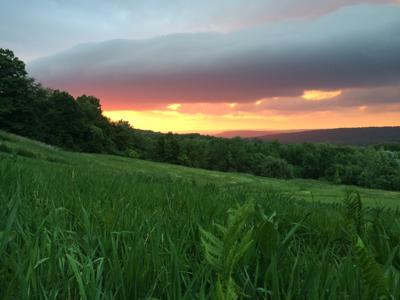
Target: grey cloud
{"points": [[353, 47], [40, 27]]}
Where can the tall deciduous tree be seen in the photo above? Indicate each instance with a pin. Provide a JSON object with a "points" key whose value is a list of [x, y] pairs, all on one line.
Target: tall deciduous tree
{"points": [[17, 94]]}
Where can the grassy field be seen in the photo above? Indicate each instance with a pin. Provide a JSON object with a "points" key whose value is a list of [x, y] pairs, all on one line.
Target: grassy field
{"points": [[85, 226]]}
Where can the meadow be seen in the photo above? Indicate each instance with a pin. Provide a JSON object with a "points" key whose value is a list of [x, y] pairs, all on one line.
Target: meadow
{"points": [[90, 226]]}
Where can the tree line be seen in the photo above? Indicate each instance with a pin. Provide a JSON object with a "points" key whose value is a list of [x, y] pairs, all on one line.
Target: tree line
{"points": [[57, 118]]}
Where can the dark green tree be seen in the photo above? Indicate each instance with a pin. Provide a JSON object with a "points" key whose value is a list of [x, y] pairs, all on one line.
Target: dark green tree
{"points": [[17, 96]]}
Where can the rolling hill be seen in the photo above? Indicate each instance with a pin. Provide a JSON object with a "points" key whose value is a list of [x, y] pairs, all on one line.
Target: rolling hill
{"points": [[93, 226], [346, 136], [32, 153], [251, 133]]}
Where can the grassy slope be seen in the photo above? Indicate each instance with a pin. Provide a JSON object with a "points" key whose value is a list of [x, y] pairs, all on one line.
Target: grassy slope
{"points": [[36, 153], [104, 227]]}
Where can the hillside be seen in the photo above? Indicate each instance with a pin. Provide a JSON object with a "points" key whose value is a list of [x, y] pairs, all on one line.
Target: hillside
{"points": [[91, 226], [251, 133], [346, 136], [35, 153]]}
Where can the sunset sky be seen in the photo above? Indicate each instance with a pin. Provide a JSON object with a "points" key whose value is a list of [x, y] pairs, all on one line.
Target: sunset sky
{"points": [[210, 66]]}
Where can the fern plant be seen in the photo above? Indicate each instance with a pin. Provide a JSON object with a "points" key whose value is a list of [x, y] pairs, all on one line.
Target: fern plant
{"points": [[223, 252], [354, 216], [374, 280]]}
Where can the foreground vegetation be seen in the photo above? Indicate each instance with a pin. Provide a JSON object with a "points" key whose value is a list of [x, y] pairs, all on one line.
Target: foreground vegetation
{"points": [[106, 227], [57, 118]]}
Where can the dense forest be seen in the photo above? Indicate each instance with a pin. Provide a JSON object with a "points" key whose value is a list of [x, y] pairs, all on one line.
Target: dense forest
{"points": [[57, 118]]}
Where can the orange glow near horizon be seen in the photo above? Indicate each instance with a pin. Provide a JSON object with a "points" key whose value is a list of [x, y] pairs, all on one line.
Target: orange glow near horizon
{"points": [[164, 121], [316, 95], [175, 121]]}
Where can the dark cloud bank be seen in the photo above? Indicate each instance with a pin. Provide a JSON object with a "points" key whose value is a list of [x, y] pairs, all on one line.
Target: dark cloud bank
{"points": [[353, 47]]}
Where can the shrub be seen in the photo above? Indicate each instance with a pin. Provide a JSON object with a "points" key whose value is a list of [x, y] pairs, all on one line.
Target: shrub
{"points": [[131, 153], [276, 167]]}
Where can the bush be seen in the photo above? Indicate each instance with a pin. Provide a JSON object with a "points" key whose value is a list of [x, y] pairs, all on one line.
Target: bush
{"points": [[131, 153], [276, 167]]}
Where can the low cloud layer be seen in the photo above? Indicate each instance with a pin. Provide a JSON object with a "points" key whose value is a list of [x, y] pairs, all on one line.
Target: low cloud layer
{"points": [[38, 28], [353, 47]]}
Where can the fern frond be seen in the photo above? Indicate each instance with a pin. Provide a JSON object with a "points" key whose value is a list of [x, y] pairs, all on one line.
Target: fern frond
{"points": [[226, 290], [213, 249], [354, 216], [224, 253], [375, 283]]}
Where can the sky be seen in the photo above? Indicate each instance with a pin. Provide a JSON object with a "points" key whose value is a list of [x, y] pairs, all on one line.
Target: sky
{"points": [[209, 66]]}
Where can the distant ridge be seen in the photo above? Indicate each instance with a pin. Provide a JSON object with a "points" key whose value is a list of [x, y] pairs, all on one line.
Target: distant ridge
{"points": [[252, 133], [347, 136]]}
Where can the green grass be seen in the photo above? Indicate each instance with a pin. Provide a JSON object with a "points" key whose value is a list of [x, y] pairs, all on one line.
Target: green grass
{"points": [[85, 226]]}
